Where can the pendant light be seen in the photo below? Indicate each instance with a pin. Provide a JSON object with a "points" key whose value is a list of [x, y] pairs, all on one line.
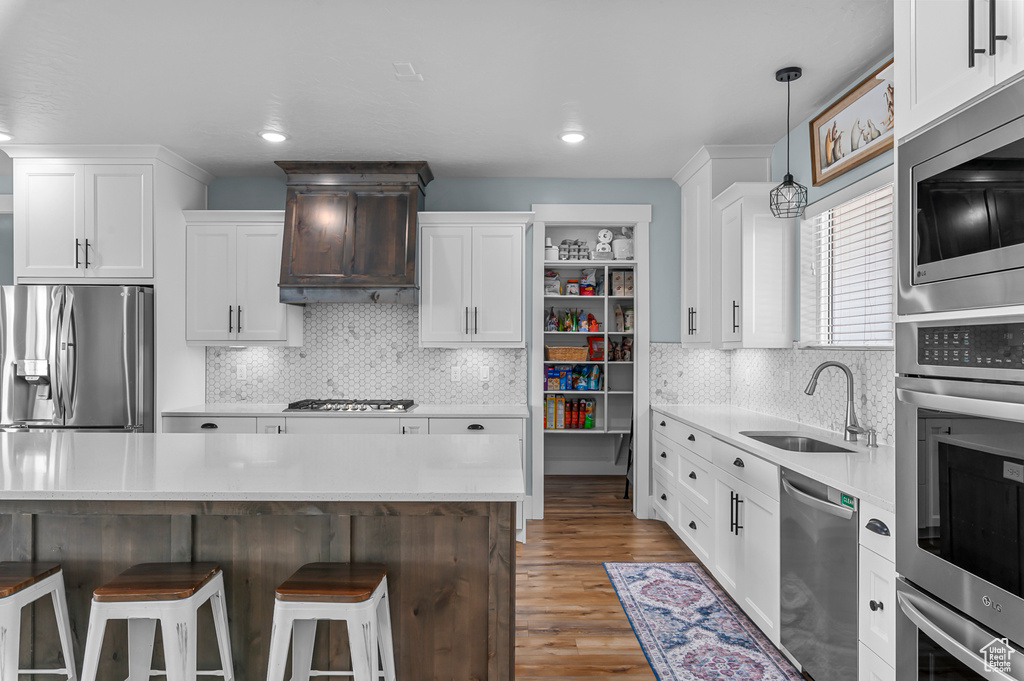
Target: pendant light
{"points": [[789, 198]]}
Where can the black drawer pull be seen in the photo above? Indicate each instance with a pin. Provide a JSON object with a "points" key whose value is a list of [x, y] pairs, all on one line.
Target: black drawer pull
{"points": [[878, 527], [664, 455], [209, 426], [693, 525], [692, 438], [738, 462], [662, 424], [475, 426], [664, 498], [693, 475], [875, 606]]}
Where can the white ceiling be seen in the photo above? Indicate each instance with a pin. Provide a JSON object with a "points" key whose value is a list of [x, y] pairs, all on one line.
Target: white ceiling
{"points": [[649, 81]]}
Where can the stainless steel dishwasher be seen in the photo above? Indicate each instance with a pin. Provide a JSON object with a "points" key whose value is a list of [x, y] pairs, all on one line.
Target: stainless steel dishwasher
{"points": [[818, 593]]}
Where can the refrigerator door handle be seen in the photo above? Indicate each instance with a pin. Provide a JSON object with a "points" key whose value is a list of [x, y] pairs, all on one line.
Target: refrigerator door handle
{"points": [[69, 355], [56, 356]]}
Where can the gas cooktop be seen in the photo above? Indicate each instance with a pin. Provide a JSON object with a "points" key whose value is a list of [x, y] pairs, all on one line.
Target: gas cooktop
{"points": [[344, 405]]}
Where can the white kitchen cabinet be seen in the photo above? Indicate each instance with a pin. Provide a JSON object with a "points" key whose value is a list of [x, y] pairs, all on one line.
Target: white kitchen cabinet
{"points": [[754, 250], [83, 221], [271, 425], [706, 175], [870, 667], [210, 424], [934, 74], [471, 279], [876, 604], [232, 266], [345, 425], [728, 562]]}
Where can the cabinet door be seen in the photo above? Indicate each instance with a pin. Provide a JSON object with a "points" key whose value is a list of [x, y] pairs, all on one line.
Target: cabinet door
{"points": [[732, 274], [767, 282], [877, 604], [933, 75], [210, 282], [696, 282], [48, 220], [119, 220], [260, 316], [759, 518], [726, 553], [272, 425], [1009, 52], [446, 288], [497, 289]]}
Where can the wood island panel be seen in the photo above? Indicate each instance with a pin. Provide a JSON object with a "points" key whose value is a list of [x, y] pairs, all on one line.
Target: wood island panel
{"points": [[450, 573]]}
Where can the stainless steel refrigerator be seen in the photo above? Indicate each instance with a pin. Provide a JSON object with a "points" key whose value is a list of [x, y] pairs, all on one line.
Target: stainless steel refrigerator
{"points": [[76, 358]]}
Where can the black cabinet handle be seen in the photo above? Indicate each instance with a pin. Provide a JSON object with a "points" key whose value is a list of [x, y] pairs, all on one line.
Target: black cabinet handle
{"points": [[971, 50], [86, 254], [662, 424], [735, 324], [231, 311], [475, 426], [878, 527], [738, 463], [78, 248], [664, 455], [239, 319], [876, 606], [732, 512], [693, 475], [209, 426], [992, 37], [738, 526], [693, 525], [664, 498]]}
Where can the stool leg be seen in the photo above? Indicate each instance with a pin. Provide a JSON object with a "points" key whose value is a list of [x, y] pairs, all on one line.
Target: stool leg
{"points": [[387, 650], [362, 647], [280, 635], [94, 642], [60, 610], [141, 639], [220, 624], [179, 634], [10, 640], [303, 635]]}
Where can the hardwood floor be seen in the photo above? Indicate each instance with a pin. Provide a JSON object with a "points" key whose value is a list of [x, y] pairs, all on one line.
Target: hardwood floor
{"points": [[569, 623]]}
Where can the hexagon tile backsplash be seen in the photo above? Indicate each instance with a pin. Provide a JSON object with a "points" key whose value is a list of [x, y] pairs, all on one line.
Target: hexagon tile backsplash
{"points": [[365, 351]]}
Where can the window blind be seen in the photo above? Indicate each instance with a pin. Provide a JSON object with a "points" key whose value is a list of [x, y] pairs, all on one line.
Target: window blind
{"points": [[848, 292]]}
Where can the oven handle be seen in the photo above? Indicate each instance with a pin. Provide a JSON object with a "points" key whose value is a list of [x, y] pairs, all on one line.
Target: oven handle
{"points": [[971, 406], [949, 642]]}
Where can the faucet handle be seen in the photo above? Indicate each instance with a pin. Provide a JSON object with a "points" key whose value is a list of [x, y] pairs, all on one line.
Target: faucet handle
{"points": [[872, 438]]}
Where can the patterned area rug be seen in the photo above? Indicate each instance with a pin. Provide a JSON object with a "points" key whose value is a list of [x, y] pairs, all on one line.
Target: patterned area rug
{"points": [[690, 629]]}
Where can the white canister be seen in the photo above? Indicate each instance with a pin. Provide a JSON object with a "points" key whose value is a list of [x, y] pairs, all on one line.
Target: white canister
{"points": [[622, 249]]}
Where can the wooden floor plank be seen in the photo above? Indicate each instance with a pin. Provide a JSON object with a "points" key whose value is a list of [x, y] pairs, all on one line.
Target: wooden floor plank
{"points": [[569, 623]]}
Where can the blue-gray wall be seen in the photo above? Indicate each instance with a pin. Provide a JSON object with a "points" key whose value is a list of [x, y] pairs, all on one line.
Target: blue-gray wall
{"points": [[519, 194], [6, 237]]}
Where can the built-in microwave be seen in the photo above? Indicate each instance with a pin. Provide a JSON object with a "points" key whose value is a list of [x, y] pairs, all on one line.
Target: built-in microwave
{"points": [[960, 209]]}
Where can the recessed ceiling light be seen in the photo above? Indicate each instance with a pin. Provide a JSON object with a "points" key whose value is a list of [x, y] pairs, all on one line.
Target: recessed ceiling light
{"points": [[4, 137], [573, 137], [273, 136]]}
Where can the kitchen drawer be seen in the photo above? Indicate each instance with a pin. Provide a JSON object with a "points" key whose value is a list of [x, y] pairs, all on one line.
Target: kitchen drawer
{"points": [[874, 523], [695, 440], [694, 528], [665, 501], [871, 667], [468, 427], [876, 608], [755, 471], [209, 424], [665, 457], [344, 425], [697, 481]]}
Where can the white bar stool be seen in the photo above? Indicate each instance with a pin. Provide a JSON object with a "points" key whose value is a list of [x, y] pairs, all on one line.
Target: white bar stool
{"points": [[354, 592], [172, 594], [21, 584]]}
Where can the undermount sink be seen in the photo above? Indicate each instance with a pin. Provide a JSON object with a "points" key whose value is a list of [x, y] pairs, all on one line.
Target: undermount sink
{"points": [[794, 442]]}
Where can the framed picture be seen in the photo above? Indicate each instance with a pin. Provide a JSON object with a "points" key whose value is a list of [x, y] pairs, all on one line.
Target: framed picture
{"points": [[854, 128]]}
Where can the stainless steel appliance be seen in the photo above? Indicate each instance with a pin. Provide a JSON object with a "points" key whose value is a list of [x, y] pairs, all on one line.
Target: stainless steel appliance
{"points": [[961, 194], [960, 491], [818, 595], [345, 405], [76, 357]]}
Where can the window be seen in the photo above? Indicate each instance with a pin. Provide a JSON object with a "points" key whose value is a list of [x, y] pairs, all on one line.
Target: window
{"points": [[847, 280]]}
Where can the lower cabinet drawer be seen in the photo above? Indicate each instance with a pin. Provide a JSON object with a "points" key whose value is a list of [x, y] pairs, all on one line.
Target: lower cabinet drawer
{"points": [[871, 667], [476, 426], [695, 440], [664, 456], [209, 424], [665, 501], [697, 482], [760, 474], [876, 610], [878, 530], [344, 425], [695, 530]]}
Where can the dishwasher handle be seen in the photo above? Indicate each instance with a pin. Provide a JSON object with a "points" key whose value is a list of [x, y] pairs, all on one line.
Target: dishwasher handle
{"points": [[816, 503]]}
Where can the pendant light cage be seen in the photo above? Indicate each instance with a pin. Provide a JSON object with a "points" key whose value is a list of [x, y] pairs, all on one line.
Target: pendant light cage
{"points": [[789, 198]]}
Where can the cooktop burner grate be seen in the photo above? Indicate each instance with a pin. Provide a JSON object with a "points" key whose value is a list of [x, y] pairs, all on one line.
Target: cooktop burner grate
{"points": [[345, 405]]}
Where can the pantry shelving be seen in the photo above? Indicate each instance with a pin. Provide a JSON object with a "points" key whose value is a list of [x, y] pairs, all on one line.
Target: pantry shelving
{"points": [[621, 396]]}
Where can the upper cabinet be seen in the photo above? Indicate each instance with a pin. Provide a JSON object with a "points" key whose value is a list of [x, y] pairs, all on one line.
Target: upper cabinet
{"points": [[83, 220], [755, 257], [707, 174], [471, 279], [231, 295], [947, 53]]}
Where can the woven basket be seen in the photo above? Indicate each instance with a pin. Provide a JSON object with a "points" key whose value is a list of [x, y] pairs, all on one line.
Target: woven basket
{"points": [[566, 354]]}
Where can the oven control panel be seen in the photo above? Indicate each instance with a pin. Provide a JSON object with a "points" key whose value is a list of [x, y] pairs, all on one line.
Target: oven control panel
{"points": [[993, 346]]}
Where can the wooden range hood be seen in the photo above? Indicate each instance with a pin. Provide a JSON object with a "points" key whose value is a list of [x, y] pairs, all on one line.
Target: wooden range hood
{"points": [[350, 231]]}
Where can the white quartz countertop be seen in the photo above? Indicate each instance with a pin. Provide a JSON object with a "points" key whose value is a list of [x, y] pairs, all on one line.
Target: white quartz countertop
{"points": [[868, 473], [222, 467], [518, 411]]}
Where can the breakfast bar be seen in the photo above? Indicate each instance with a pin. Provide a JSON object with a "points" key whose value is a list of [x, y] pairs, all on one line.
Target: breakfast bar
{"points": [[436, 510]]}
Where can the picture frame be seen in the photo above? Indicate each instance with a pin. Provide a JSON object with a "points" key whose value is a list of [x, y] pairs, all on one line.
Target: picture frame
{"points": [[856, 127]]}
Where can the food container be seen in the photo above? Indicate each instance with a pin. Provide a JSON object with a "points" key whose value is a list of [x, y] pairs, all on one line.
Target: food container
{"points": [[572, 287], [622, 249]]}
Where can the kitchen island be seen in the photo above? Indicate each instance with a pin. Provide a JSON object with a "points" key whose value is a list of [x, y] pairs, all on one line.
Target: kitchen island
{"points": [[438, 512]]}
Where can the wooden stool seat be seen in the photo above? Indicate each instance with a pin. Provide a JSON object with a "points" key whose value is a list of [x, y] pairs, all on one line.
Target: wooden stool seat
{"points": [[17, 576], [332, 583], [156, 582]]}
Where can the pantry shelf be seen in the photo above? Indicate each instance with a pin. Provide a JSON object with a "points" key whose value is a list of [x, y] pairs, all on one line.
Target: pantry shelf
{"points": [[589, 263]]}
